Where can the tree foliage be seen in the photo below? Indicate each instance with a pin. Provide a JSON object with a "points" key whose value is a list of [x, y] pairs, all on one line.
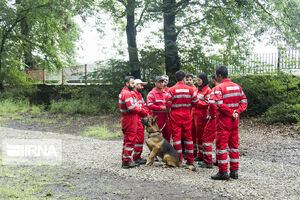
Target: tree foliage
{"points": [[38, 33]]}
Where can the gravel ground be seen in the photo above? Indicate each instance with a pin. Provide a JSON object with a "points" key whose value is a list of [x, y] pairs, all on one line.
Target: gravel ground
{"points": [[269, 168]]}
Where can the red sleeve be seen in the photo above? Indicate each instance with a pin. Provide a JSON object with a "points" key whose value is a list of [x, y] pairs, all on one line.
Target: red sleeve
{"points": [[203, 103], [242, 104], [169, 100], [128, 98]]}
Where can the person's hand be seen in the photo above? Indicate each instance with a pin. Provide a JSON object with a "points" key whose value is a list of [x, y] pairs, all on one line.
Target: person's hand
{"points": [[235, 115], [163, 108]]}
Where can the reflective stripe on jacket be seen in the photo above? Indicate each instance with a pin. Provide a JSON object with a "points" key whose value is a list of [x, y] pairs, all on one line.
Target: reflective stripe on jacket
{"points": [[229, 96], [128, 102]]}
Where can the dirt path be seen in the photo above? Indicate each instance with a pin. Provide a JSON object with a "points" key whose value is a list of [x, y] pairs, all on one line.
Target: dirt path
{"points": [[269, 169]]}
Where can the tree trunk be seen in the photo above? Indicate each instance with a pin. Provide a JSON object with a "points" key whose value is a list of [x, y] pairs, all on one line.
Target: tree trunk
{"points": [[131, 40], [172, 60], [27, 46], [3, 40]]}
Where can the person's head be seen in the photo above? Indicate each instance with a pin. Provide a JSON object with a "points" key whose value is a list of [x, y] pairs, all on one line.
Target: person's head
{"points": [[180, 76], [221, 73], [139, 85], [166, 80], [129, 82], [159, 82], [213, 80], [202, 80], [189, 80]]}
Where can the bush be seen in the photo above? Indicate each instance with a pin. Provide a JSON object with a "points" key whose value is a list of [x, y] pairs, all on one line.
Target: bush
{"points": [[282, 113], [87, 105], [264, 91]]}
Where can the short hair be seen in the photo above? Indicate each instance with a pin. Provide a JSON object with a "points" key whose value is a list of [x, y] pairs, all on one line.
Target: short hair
{"points": [[127, 79], [213, 77], [189, 75], [179, 75], [222, 70], [165, 76]]}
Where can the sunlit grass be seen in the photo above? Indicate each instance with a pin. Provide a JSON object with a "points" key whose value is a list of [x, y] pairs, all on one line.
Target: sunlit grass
{"points": [[100, 132]]}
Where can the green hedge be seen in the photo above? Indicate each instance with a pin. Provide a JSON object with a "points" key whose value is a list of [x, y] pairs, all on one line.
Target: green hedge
{"points": [[264, 91]]}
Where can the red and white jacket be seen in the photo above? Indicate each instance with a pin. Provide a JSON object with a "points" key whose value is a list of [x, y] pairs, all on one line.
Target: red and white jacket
{"points": [[181, 96], [212, 109], [229, 96], [128, 102], [203, 96], [156, 99], [140, 100]]}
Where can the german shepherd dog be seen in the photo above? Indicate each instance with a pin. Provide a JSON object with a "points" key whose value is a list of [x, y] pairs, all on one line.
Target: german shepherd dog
{"points": [[158, 146]]}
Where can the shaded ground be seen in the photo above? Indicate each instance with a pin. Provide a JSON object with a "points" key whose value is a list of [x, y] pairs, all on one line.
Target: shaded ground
{"points": [[60, 123], [91, 168]]}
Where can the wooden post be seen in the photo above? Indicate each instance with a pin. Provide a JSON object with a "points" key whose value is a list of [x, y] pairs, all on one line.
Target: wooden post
{"points": [[62, 76], [44, 81]]}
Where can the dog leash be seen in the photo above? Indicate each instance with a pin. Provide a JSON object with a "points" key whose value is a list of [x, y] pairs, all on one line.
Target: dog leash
{"points": [[163, 127], [160, 130]]}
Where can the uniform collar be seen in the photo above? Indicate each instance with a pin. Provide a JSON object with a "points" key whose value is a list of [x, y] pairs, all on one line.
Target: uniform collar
{"points": [[156, 91], [204, 88], [180, 83], [225, 80], [126, 89]]}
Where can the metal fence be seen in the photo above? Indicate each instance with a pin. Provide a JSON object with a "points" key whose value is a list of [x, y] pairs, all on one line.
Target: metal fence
{"points": [[286, 61]]}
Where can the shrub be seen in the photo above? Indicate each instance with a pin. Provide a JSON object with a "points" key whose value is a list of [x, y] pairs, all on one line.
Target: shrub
{"points": [[282, 113], [264, 91]]}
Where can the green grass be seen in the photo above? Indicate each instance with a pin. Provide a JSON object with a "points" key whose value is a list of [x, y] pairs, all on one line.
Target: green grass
{"points": [[116, 125], [100, 132], [3, 119], [17, 118], [44, 121], [12, 107], [31, 182]]}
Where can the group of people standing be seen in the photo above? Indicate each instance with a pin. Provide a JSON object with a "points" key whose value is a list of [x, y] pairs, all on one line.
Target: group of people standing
{"points": [[193, 117]]}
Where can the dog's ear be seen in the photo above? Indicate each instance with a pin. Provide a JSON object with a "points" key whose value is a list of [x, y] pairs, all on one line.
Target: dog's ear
{"points": [[154, 119], [144, 121]]}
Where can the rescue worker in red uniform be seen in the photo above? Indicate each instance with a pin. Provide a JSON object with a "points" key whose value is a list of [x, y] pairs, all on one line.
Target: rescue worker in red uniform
{"points": [[156, 101], [230, 102], [209, 131], [129, 108], [180, 99], [139, 142], [189, 81], [199, 112]]}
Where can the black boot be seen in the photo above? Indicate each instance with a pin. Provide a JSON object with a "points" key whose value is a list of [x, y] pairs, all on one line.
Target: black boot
{"points": [[129, 165], [220, 176], [234, 174], [215, 163], [198, 159], [204, 165], [141, 161]]}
